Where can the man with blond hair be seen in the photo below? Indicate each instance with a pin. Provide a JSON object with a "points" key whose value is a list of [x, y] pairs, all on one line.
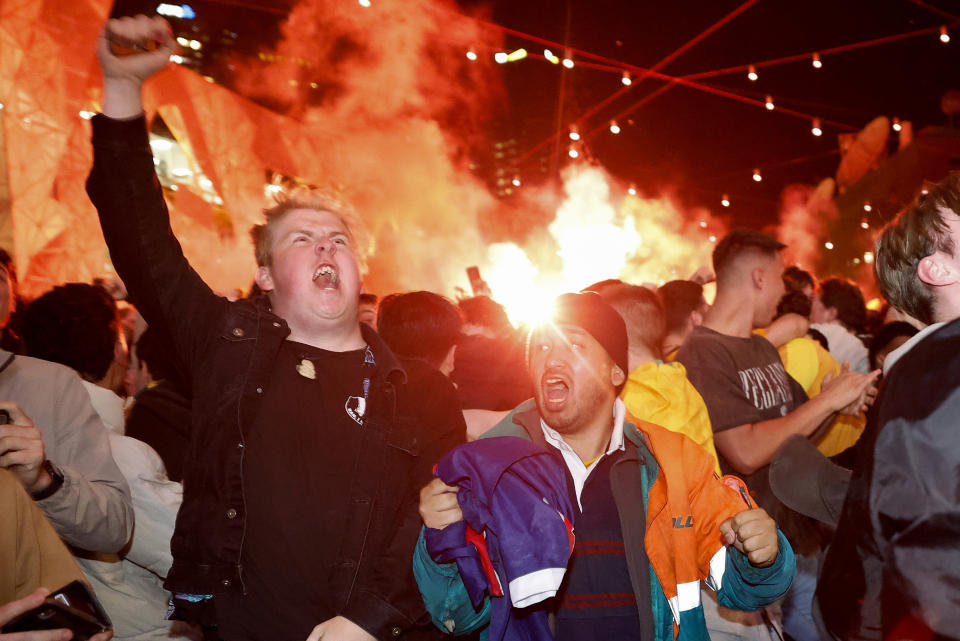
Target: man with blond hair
{"points": [[308, 446]]}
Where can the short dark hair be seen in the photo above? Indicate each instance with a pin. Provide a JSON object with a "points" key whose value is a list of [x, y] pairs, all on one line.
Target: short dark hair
{"points": [[886, 335], [845, 297], [795, 279], [155, 348], [75, 325], [917, 232], [794, 302], [486, 312], [680, 299], [642, 311], [420, 325], [366, 297], [739, 242]]}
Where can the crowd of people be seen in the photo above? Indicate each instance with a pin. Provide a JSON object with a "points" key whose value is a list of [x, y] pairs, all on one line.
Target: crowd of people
{"points": [[312, 462]]}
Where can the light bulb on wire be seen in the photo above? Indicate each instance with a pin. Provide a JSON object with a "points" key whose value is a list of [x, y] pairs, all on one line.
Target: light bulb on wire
{"points": [[626, 79], [867, 207], [816, 62], [816, 130], [500, 57], [471, 55], [725, 201], [944, 36], [568, 62], [574, 134], [752, 73], [573, 153], [756, 175], [896, 124], [614, 127], [769, 103]]}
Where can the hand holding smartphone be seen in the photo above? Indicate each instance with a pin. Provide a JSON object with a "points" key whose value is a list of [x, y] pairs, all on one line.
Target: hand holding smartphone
{"points": [[73, 607]]}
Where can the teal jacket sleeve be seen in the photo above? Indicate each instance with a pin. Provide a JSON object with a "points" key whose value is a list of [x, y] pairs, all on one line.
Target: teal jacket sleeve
{"points": [[745, 587], [445, 596]]}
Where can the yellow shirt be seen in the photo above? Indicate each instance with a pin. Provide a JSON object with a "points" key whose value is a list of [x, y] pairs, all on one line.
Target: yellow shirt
{"points": [[807, 362], [660, 393]]}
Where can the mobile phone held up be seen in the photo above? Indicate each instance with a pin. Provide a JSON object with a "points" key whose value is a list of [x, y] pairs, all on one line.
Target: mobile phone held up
{"points": [[73, 607]]}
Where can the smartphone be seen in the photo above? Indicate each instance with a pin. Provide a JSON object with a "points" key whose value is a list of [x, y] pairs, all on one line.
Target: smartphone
{"points": [[73, 607]]}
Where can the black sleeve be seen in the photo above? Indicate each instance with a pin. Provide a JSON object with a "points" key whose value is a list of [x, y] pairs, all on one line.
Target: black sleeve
{"points": [[124, 188]]}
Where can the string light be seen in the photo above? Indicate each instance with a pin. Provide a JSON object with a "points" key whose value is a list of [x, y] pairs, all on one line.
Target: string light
{"points": [[725, 201], [632, 191], [573, 153], [769, 103], [183, 42], [868, 257], [944, 36], [626, 79], [551, 57], [864, 224], [924, 192], [752, 73], [867, 207], [574, 134], [713, 238], [519, 54], [364, 3], [703, 224], [500, 57], [614, 127], [816, 62], [896, 124], [828, 245], [568, 63], [174, 58], [471, 56], [516, 181], [816, 130], [756, 175]]}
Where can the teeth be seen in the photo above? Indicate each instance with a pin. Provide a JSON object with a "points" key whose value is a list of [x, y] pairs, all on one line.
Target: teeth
{"points": [[327, 272]]}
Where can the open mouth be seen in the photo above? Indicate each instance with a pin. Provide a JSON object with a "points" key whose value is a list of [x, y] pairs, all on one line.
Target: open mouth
{"points": [[555, 391], [326, 277]]}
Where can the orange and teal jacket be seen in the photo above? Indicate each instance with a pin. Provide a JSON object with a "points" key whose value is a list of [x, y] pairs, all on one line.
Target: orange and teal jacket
{"points": [[684, 503]]}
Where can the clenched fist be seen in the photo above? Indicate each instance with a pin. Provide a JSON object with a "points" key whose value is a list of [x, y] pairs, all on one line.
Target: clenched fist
{"points": [[21, 449], [438, 505], [754, 533]]}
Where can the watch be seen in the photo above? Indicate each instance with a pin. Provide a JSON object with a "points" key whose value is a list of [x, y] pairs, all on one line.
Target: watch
{"points": [[56, 482]]}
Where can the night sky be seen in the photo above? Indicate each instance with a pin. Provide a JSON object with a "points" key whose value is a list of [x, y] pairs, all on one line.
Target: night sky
{"points": [[707, 145]]}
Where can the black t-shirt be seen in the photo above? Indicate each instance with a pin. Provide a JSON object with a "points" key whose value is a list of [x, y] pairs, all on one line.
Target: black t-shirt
{"points": [[303, 443], [741, 380]]}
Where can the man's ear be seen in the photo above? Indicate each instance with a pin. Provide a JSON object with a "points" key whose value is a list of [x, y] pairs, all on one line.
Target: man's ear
{"points": [[934, 270], [264, 279], [758, 276], [617, 376]]}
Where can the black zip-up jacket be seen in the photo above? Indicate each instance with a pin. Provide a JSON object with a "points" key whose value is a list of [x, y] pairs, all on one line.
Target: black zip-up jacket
{"points": [[229, 349], [891, 571]]}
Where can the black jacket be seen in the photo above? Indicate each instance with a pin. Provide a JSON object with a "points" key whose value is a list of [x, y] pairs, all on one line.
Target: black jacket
{"points": [[229, 349], [891, 572]]}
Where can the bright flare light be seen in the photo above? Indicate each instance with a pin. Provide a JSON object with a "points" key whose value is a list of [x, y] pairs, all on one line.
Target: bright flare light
{"points": [[574, 135], [867, 206], [568, 63], [500, 57], [752, 73], [828, 245], [632, 191], [896, 124], [176, 59], [944, 36], [471, 55], [573, 153], [864, 224], [816, 130], [86, 115], [614, 127], [183, 42], [519, 54], [626, 79], [725, 201], [756, 175], [196, 45], [769, 103], [364, 3], [868, 257], [816, 61], [550, 56], [515, 182]]}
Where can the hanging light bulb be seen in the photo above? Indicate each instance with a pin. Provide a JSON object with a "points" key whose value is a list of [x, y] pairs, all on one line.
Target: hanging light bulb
{"points": [[752, 73], [626, 79], [632, 191], [568, 62], [816, 130], [828, 245], [552, 57], [756, 175], [868, 257], [944, 36], [816, 62], [573, 153], [614, 127], [896, 124], [471, 55], [519, 54], [864, 224], [867, 207], [725, 201], [769, 103], [516, 181], [500, 57]]}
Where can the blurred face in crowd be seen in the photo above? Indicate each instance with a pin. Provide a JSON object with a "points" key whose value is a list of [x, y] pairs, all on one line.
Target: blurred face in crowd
{"points": [[313, 275], [367, 313], [8, 303], [574, 379], [820, 313]]}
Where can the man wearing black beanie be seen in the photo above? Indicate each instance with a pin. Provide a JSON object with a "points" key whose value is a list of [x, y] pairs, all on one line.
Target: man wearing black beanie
{"points": [[648, 502]]}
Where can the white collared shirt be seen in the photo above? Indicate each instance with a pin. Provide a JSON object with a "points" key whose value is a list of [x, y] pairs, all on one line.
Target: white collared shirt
{"points": [[578, 470]]}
